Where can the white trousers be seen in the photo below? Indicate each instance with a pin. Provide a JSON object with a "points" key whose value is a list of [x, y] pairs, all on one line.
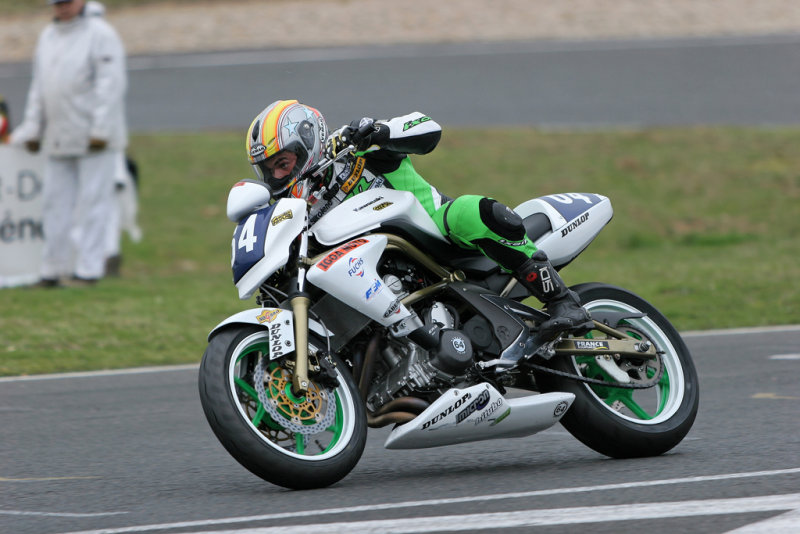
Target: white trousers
{"points": [[77, 197]]}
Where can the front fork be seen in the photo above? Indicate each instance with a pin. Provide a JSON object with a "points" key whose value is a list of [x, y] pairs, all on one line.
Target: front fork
{"points": [[300, 303]]}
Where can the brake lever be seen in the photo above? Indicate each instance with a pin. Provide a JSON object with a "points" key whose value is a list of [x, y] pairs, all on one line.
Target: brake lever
{"points": [[327, 163]]}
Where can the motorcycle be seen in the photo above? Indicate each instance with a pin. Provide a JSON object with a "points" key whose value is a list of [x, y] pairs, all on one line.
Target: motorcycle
{"points": [[369, 317]]}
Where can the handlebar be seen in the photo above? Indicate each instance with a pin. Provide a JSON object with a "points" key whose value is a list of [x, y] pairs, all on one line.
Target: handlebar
{"points": [[327, 162]]}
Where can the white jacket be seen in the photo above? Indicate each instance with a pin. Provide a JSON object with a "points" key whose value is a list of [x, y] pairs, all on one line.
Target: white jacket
{"points": [[78, 87]]}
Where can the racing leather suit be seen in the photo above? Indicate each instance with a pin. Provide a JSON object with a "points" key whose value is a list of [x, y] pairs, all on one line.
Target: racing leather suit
{"points": [[470, 221]]}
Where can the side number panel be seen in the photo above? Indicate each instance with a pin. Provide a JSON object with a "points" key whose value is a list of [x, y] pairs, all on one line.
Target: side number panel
{"points": [[247, 246]]}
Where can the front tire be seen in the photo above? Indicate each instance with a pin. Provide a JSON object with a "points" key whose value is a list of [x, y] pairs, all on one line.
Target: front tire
{"points": [[628, 423], [297, 443]]}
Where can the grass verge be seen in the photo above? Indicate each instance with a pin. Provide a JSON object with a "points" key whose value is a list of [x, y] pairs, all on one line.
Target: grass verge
{"points": [[706, 228]]}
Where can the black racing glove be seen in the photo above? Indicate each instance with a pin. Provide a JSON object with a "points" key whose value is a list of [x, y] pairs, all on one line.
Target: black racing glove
{"points": [[361, 134]]}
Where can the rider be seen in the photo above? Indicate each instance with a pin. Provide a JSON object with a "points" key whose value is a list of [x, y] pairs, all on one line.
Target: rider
{"points": [[287, 139]]}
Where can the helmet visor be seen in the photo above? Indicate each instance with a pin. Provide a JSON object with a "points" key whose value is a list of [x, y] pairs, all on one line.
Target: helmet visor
{"points": [[280, 170]]}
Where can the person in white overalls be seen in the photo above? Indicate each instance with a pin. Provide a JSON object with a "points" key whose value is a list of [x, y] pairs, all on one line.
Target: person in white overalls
{"points": [[75, 114]]}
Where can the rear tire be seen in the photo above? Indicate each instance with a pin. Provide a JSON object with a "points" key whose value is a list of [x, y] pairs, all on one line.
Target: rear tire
{"points": [[311, 442], [626, 423]]}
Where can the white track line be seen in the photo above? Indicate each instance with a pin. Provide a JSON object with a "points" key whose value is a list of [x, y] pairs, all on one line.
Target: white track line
{"points": [[440, 502], [58, 514], [556, 516]]}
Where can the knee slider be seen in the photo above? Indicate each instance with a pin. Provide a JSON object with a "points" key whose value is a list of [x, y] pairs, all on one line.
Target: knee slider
{"points": [[501, 220]]}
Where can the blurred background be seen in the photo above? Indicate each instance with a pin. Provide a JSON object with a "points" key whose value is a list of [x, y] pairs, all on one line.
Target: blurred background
{"points": [[684, 112]]}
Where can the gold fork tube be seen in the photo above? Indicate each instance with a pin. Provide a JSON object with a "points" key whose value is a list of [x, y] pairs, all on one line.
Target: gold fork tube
{"points": [[300, 380]]}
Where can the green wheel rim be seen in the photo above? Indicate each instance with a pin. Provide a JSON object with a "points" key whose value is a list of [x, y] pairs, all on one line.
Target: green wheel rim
{"points": [[314, 446]]}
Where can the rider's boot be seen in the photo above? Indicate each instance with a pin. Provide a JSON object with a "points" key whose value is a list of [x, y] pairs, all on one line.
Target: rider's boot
{"points": [[566, 313]]}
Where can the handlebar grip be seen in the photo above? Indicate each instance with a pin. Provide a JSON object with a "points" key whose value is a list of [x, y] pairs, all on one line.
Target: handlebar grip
{"points": [[366, 129]]}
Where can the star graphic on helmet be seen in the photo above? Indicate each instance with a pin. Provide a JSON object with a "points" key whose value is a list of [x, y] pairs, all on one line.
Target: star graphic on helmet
{"points": [[291, 127]]}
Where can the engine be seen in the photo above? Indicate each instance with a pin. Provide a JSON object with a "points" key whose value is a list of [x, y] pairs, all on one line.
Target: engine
{"points": [[408, 367]]}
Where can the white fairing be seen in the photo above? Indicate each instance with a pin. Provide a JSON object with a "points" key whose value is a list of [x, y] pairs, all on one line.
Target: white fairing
{"points": [[267, 317], [279, 322], [368, 210], [246, 197], [478, 413], [576, 219], [350, 274], [261, 242]]}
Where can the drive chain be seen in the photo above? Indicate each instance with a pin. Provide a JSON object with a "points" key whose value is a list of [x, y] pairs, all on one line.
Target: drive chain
{"points": [[642, 385]]}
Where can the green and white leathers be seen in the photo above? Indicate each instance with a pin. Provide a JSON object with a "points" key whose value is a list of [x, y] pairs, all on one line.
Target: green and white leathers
{"points": [[470, 221]]}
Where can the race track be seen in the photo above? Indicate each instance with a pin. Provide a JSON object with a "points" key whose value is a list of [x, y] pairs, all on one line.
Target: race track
{"points": [[591, 84], [133, 453]]}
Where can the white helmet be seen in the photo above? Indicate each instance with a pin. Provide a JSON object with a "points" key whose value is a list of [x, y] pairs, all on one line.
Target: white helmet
{"points": [[286, 125]]}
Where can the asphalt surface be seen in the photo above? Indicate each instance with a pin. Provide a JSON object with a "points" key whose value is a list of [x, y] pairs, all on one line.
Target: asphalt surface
{"points": [[591, 84], [133, 453]]}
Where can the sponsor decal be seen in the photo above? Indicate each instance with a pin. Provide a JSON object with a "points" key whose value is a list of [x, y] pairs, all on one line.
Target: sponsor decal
{"points": [[415, 122], [592, 345], [382, 205], [267, 316], [477, 405], [547, 281], [493, 407], [501, 417], [328, 261], [459, 345], [257, 150], [354, 267], [275, 347], [514, 243], [394, 308], [285, 216], [374, 289], [574, 224], [358, 169], [368, 204], [561, 407], [239, 184], [450, 409]]}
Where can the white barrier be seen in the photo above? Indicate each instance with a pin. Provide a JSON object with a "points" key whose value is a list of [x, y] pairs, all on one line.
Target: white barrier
{"points": [[21, 233]]}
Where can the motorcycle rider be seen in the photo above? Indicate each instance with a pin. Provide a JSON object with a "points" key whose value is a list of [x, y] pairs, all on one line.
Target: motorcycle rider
{"points": [[287, 139]]}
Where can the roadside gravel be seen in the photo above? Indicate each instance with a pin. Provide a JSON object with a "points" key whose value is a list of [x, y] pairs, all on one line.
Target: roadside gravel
{"points": [[246, 24]]}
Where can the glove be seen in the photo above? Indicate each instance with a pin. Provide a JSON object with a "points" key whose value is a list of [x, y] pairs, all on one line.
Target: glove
{"points": [[361, 134], [32, 145], [96, 145]]}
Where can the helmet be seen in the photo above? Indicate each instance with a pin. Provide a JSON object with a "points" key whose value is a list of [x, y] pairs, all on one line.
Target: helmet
{"points": [[286, 125]]}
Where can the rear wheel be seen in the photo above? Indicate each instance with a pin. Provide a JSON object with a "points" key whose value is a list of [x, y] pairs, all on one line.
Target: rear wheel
{"points": [[296, 442], [626, 423]]}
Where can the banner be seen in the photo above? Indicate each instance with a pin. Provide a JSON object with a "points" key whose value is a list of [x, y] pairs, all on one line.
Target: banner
{"points": [[21, 230]]}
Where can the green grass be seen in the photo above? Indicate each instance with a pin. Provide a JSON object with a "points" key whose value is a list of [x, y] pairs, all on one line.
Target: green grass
{"points": [[706, 228]]}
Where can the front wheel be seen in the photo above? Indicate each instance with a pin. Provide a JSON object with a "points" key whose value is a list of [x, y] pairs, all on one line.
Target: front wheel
{"points": [[628, 423], [298, 443]]}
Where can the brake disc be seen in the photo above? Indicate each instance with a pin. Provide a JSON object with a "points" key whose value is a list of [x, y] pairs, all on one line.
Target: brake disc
{"points": [[308, 415]]}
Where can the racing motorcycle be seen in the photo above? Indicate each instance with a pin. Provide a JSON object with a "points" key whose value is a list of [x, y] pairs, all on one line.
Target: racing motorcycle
{"points": [[369, 317]]}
